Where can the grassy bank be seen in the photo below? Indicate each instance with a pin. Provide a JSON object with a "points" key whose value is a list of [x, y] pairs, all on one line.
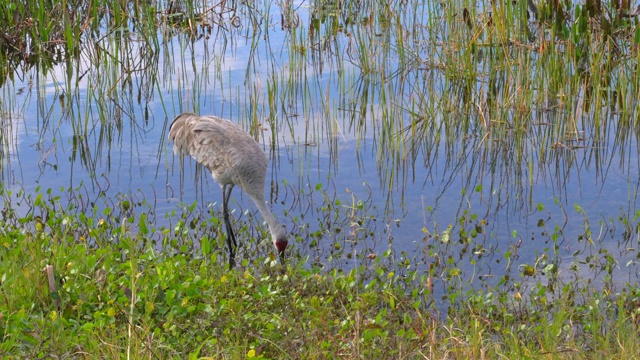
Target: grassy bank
{"points": [[80, 280]]}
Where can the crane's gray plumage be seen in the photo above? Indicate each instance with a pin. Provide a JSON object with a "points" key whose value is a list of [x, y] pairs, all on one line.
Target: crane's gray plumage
{"points": [[234, 158]]}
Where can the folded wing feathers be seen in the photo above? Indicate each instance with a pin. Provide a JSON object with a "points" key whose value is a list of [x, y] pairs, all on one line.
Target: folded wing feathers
{"points": [[221, 146]]}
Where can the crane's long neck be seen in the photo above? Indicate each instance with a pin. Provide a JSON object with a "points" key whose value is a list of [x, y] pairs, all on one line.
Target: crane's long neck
{"points": [[274, 225], [278, 234]]}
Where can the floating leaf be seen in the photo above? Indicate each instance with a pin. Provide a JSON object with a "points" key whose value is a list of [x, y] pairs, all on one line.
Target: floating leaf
{"points": [[445, 235], [529, 270]]}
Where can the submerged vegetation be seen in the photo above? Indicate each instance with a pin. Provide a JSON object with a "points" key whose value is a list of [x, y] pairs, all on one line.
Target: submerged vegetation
{"points": [[488, 98]]}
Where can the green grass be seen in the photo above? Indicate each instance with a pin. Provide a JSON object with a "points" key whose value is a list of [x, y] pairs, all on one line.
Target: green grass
{"points": [[409, 75], [124, 288]]}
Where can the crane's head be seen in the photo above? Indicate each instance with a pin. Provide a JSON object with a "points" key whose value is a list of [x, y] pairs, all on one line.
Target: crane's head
{"points": [[280, 241]]}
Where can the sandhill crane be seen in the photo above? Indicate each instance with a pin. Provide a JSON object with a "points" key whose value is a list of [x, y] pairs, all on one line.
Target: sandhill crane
{"points": [[234, 158]]}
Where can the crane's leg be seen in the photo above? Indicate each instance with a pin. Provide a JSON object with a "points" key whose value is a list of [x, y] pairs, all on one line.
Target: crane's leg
{"points": [[231, 237]]}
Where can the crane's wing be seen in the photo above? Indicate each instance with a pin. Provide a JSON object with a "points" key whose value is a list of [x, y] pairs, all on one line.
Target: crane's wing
{"points": [[203, 138], [232, 155]]}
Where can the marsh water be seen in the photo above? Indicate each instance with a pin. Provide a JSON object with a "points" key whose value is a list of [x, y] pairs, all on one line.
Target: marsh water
{"points": [[378, 141]]}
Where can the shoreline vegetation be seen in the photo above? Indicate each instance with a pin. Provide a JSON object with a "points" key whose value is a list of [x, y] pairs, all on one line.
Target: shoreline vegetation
{"points": [[85, 276], [88, 278]]}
